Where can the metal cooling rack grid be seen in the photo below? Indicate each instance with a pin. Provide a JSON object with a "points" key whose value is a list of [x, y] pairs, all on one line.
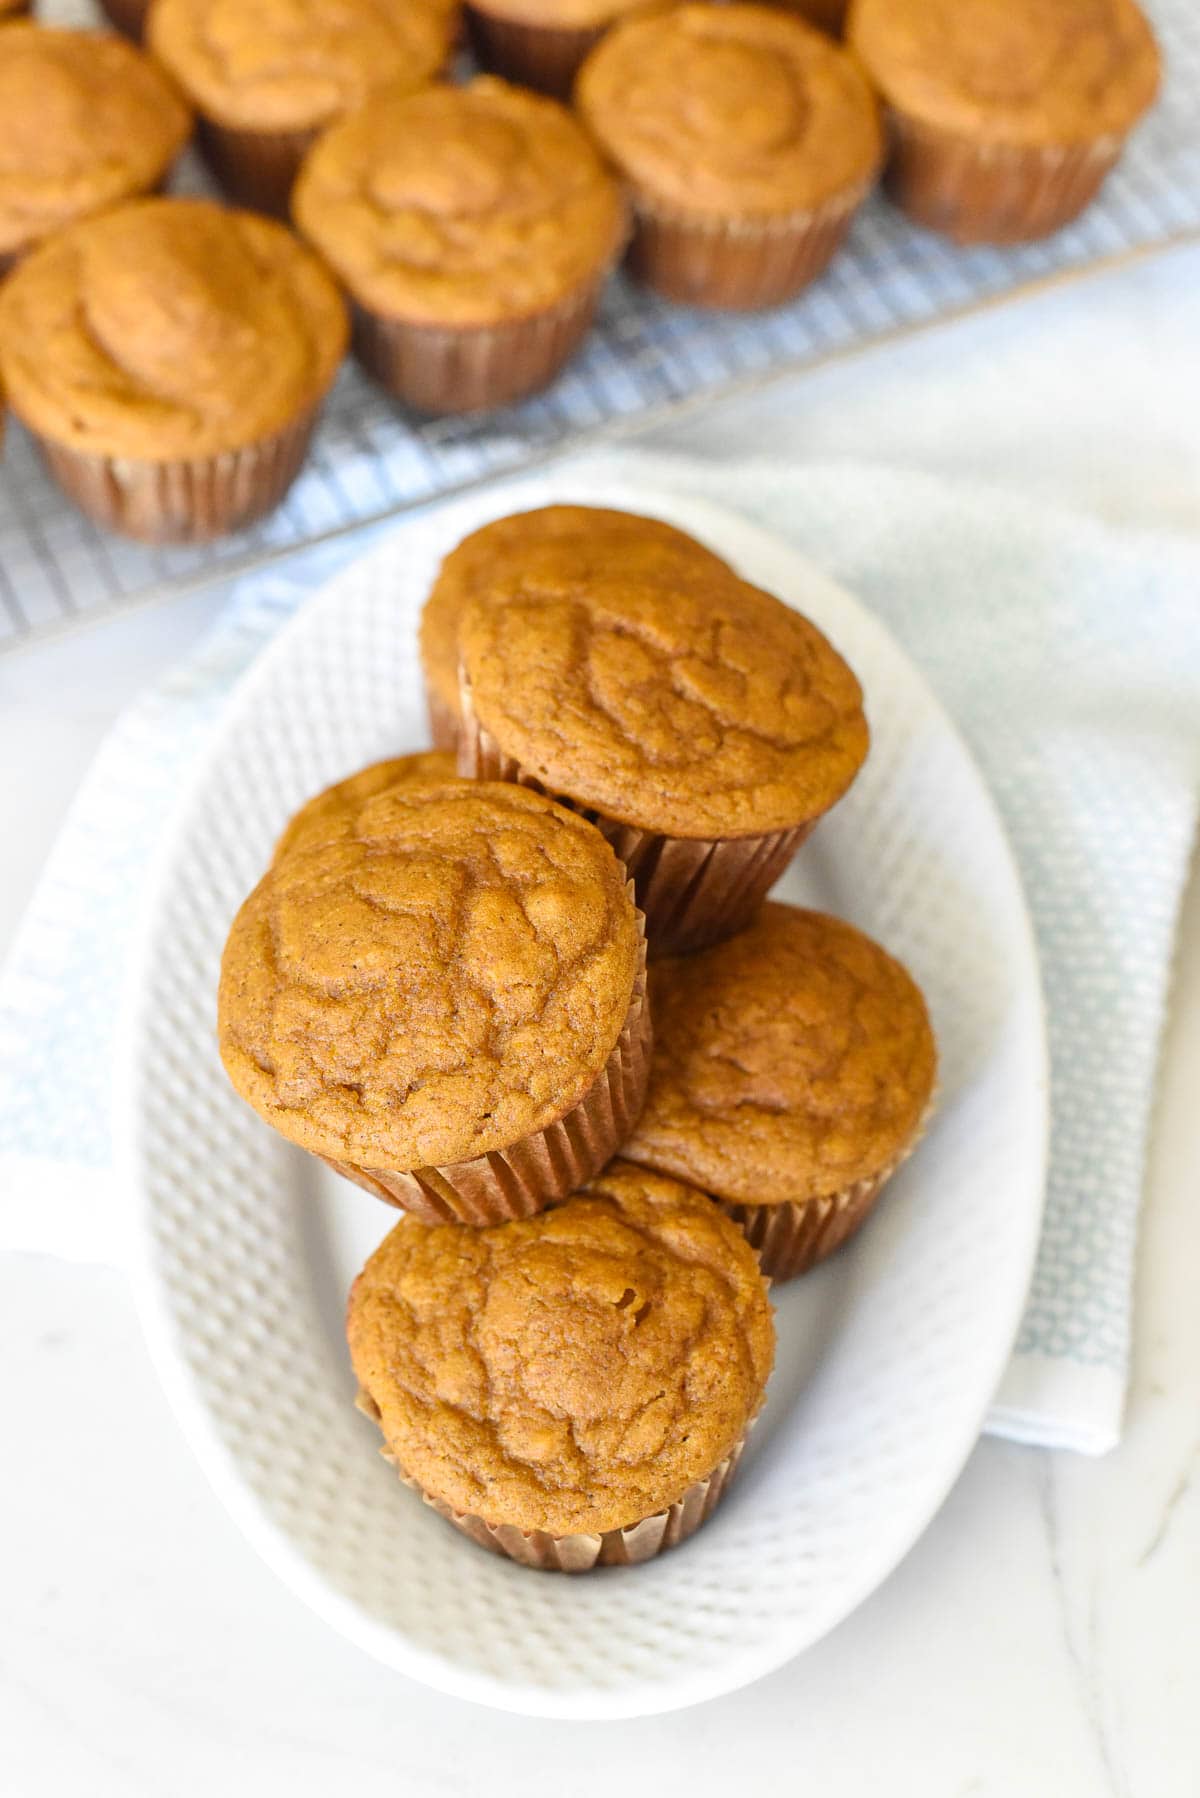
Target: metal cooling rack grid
{"points": [[644, 360]]}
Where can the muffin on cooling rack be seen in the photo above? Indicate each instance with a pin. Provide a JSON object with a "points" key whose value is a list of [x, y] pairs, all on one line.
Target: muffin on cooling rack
{"points": [[1005, 115], [541, 43], [793, 1070], [266, 80], [747, 140], [572, 1391], [86, 120], [474, 228], [170, 358]]}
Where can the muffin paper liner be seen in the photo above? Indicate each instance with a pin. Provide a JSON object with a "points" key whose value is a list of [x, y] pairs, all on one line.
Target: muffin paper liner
{"points": [[522, 1180], [443, 723], [129, 16], [992, 193], [693, 890], [255, 168], [736, 264], [545, 57], [182, 501], [580, 1552]]}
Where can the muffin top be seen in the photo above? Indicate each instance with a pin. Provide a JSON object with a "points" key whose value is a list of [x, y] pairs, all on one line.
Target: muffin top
{"points": [[330, 816], [574, 1372], [1014, 71], [594, 534], [731, 109], [293, 65], [460, 205], [789, 1062], [444, 978], [663, 691], [87, 121], [168, 328]]}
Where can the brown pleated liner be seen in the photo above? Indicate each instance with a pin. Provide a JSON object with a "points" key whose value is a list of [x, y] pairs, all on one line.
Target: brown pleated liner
{"points": [[792, 1237], [826, 15], [979, 193], [255, 168], [736, 264], [182, 501], [581, 1552], [522, 1180], [129, 16], [545, 57], [473, 368], [693, 890], [443, 723]]}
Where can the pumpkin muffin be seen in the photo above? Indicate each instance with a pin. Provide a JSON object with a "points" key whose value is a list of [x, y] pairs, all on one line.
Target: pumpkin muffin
{"points": [[572, 1391], [1005, 115], [330, 816], [748, 141], [793, 1070], [87, 122], [474, 228], [265, 81], [701, 723], [170, 357], [444, 1001], [542, 43], [593, 533]]}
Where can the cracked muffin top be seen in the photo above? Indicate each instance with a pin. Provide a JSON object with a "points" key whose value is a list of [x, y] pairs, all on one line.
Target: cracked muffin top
{"points": [[460, 205], [442, 978], [295, 65], [169, 328], [731, 110], [789, 1062], [87, 120], [1016, 71], [663, 692], [595, 535], [574, 1372], [330, 816]]}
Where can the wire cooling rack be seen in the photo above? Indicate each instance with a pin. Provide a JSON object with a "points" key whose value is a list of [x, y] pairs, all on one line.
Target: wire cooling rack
{"points": [[644, 360]]}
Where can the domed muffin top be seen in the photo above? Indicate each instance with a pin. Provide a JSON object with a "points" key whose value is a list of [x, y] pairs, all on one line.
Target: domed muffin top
{"points": [[331, 815]]}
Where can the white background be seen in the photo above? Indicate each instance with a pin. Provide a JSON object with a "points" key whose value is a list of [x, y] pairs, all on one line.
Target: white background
{"points": [[1044, 1637]]}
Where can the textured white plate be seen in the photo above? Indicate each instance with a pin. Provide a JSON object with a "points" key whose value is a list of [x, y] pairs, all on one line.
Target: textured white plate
{"points": [[244, 1248]]}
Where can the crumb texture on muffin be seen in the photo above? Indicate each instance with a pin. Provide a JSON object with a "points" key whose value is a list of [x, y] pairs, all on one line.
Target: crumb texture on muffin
{"points": [[440, 983], [663, 691], [575, 1372], [168, 328], [740, 110], [789, 1062], [330, 816], [86, 121], [1021, 72], [460, 206]]}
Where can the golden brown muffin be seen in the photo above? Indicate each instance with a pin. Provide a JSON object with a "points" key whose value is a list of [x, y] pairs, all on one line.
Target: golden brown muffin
{"points": [[474, 228], [87, 121], [1006, 115], [266, 80], [171, 358], [704, 725], [792, 1072], [747, 139], [596, 535], [541, 43], [572, 1391], [445, 1002], [330, 815]]}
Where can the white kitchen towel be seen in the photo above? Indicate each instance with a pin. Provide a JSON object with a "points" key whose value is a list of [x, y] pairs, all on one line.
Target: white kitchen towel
{"points": [[1070, 657]]}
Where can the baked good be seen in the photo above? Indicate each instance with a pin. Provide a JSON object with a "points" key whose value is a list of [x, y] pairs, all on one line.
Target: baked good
{"points": [[747, 139], [1005, 115], [574, 1390], [792, 1073], [704, 725], [594, 533], [266, 80], [474, 228], [171, 357], [329, 816], [445, 1003], [88, 122], [13, 9], [541, 43]]}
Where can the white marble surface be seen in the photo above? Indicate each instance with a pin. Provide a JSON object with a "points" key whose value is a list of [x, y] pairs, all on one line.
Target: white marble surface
{"points": [[1043, 1638]]}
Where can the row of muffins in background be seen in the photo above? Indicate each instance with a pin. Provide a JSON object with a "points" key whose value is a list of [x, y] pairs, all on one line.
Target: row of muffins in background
{"points": [[171, 358], [440, 988]]}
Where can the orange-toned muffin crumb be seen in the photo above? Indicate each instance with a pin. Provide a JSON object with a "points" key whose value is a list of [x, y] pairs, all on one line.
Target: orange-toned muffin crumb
{"points": [[330, 816]]}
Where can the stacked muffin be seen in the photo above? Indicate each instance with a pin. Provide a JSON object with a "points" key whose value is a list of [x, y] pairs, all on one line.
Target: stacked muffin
{"points": [[440, 988]]}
